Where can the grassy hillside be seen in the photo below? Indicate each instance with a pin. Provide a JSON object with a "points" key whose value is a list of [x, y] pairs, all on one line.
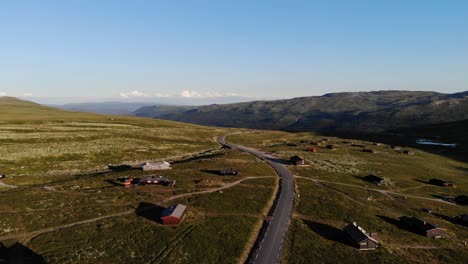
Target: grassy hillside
{"points": [[361, 111], [332, 193], [62, 204]]}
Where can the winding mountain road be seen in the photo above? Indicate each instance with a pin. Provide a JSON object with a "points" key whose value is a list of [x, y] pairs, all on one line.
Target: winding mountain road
{"points": [[271, 243]]}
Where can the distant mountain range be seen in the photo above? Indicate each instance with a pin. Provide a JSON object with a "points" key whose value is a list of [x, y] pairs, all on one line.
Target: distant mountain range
{"points": [[354, 111], [112, 108]]}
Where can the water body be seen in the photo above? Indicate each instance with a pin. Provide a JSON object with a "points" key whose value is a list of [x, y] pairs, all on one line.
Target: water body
{"points": [[434, 143]]}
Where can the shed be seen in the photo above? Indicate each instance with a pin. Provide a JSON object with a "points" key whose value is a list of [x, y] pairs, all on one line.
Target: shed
{"points": [[361, 239], [229, 172], [298, 161], [440, 182], [173, 215], [311, 150], [422, 227], [375, 179], [162, 165]]}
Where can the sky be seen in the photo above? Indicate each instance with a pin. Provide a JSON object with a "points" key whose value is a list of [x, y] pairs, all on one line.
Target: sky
{"points": [[145, 50]]}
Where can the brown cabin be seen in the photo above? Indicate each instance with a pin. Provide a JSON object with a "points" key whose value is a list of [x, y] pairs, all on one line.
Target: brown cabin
{"points": [[422, 227], [360, 238], [311, 150], [440, 182], [173, 215], [298, 161]]}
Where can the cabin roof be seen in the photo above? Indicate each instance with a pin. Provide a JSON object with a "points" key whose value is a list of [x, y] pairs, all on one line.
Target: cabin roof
{"points": [[175, 210], [357, 233]]}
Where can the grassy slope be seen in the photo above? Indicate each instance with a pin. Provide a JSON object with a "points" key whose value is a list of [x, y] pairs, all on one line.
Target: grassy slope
{"points": [[58, 159], [324, 208]]}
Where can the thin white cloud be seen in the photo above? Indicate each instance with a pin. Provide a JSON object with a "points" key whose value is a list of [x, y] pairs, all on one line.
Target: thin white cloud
{"points": [[190, 94], [133, 94], [3, 94], [27, 94], [208, 94]]}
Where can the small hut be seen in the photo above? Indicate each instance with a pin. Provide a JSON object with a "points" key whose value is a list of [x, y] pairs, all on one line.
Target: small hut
{"points": [[440, 182], [298, 161], [375, 180], [422, 227], [311, 150]]}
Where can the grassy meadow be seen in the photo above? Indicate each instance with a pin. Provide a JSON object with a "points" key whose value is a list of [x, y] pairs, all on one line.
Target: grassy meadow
{"points": [[68, 208], [332, 193]]}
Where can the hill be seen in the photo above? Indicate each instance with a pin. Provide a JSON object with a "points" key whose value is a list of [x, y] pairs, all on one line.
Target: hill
{"points": [[111, 108], [359, 111]]}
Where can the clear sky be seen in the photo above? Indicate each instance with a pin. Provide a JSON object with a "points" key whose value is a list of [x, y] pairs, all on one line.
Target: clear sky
{"points": [[259, 49]]}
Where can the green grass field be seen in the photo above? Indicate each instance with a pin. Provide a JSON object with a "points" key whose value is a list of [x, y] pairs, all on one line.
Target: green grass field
{"points": [[332, 194], [69, 208]]}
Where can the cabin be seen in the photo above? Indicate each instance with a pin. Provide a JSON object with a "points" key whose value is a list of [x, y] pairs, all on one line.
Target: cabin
{"points": [[360, 238], [377, 144], [408, 152], [2, 176], [156, 180], [368, 150], [173, 215], [375, 180], [462, 219], [395, 147], [462, 199], [440, 182], [162, 165], [298, 161], [315, 150], [229, 172], [332, 147], [422, 227]]}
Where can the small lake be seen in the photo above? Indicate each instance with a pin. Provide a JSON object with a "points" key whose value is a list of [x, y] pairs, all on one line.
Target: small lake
{"points": [[434, 143]]}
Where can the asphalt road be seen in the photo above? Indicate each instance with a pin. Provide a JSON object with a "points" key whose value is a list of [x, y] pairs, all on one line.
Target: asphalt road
{"points": [[270, 248]]}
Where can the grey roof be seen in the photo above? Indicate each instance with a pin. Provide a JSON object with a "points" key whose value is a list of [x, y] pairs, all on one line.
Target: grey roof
{"points": [[175, 210], [357, 233], [155, 163]]}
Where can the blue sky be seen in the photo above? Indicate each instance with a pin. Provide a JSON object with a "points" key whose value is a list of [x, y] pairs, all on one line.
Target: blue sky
{"points": [[96, 50]]}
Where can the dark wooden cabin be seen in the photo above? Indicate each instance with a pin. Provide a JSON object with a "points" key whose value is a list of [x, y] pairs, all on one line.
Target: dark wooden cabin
{"points": [[422, 227], [440, 182], [298, 161], [360, 238]]}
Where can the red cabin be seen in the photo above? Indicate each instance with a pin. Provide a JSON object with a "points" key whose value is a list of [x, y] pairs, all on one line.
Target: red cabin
{"points": [[173, 215]]}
